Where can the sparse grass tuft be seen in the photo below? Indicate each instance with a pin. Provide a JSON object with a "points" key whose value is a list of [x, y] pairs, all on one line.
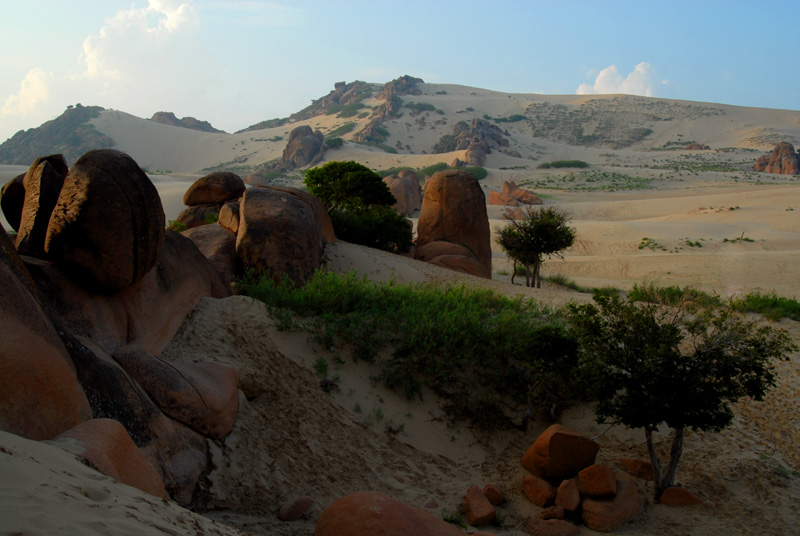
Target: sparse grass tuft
{"points": [[770, 305], [672, 295]]}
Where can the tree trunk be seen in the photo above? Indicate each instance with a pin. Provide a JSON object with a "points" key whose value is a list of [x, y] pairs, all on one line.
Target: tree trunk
{"points": [[527, 275], [537, 279], [667, 479]]}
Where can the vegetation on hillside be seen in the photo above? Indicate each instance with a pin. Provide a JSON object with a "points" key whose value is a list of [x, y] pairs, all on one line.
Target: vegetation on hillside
{"points": [[70, 134]]}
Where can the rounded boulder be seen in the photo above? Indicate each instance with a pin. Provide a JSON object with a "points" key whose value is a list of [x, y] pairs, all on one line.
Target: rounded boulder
{"points": [[216, 187]]}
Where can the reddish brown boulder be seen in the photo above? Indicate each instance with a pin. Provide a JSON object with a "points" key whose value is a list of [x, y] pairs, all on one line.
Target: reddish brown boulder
{"points": [[454, 210], [493, 493], [502, 199], [106, 446], [637, 468], [553, 512], [597, 480], [42, 183], [568, 495], [320, 214], [762, 163], [509, 187], [677, 496], [216, 187], [431, 250], [608, 514], [538, 491], [12, 199], [304, 147], [783, 160], [218, 245], [108, 225], [405, 188], [199, 215], [295, 509], [279, 234], [559, 453], [256, 179], [460, 263], [369, 513], [203, 396], [40, 396], [551, 527], [229, 216], [477, 508], [526, 197]]}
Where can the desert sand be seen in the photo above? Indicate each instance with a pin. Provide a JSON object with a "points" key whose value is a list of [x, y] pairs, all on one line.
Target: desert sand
{"points": [[297, 440]]}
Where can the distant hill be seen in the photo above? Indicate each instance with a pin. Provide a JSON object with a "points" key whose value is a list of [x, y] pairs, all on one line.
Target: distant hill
{"points": [[168, 118], [70, 134]]}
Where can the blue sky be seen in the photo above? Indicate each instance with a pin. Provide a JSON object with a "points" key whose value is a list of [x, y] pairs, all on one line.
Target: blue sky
{"points": [[235, 63]]}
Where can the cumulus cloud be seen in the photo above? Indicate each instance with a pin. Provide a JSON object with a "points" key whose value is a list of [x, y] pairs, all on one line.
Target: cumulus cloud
{"points": [[34, 90], [610, 80]]}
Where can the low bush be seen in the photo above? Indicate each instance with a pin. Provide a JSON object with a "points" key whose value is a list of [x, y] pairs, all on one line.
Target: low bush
{"points": [[340, 131], [379, 227], [671, 295], [770, 305], [563, 164]]}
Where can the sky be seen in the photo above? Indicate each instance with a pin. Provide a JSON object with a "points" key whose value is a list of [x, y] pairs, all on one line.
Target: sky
{"points": [[235, 63]]}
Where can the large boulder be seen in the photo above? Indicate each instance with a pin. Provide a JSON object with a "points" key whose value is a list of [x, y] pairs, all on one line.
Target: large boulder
{"points": [[279, 234], [217, 187], [597, 480], [783, 160], [42, 184], [106, 446], [203, 396], [40, 396], [218, 245], [405, 188], [108, 225], [229, 216], [12, 199], [321, 215], [477, 508], [370, 513], [454, 210], [608, 514], [559, 453], [148, 312], [304, 147], [538, 491], [199, 215]]}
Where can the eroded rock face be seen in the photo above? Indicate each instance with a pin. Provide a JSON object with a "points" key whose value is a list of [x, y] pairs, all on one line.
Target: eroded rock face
{"points": [[783, 160], [107, 228], [304, 147], [12, 198], [559, 453], [454, 210], [279, 234], [405, 188], [370, 513], [42, 184], [106, 445], [40, 396], [217, 187]]}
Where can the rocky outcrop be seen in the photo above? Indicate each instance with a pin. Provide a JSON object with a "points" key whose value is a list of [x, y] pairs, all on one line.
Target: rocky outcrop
{"points": [[405, 188], [502, 199], [370, 513], [454, 210], [168, 118], [305, 147], [521, 195], [108, 225], [40, 396], [783, 160], [472, 137], [392, 103], [476, 152], [279, 234], [559, 453], [105, 445]]}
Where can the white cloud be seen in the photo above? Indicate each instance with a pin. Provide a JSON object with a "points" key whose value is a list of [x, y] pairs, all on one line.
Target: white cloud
{"points": [[33, 91], [609, 80]]}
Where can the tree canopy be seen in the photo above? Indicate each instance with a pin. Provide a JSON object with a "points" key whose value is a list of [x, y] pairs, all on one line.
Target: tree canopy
{"points": [[347, 186], [648, 365], [543, 232]]}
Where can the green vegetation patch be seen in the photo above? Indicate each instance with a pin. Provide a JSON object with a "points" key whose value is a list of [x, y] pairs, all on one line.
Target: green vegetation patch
{"points": [[672, 295], [770, 305], [420, 107], [478, 350], [340, 131], [563, 164]]}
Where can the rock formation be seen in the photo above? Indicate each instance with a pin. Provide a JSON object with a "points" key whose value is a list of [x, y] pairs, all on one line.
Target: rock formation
{"points": [[454, 210], [783, 160], [168, 118], [472, 137], [12, 199], [405, 85], [304, 147], [405, 188], [42, 184], [206, 196]]}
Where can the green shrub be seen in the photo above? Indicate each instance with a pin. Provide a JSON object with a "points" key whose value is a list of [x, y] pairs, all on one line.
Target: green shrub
{"points": [[177, 226], [379, 227], [510, 119], [770, 305], [341, 131], [563, 164], [420, 107], [671, 295], [430, 170], [334, 143], [211, 217], [478, 350], [479, 172]]}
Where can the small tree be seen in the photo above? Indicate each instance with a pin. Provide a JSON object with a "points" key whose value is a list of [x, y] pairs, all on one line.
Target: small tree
{"points": [[543, 232], [359, 203], [649, 365], [347, 186]]}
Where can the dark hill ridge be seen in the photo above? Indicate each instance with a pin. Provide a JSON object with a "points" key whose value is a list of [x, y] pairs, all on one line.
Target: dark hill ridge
{"points": [[168, 118], [70, 134]]}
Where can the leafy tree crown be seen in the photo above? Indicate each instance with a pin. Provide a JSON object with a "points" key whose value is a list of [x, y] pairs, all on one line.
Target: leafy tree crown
{"points": [[348, 186]]}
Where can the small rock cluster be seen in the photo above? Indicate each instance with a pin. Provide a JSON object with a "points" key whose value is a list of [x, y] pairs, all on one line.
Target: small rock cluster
{"points": [[783, 160], [513, 196]]}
